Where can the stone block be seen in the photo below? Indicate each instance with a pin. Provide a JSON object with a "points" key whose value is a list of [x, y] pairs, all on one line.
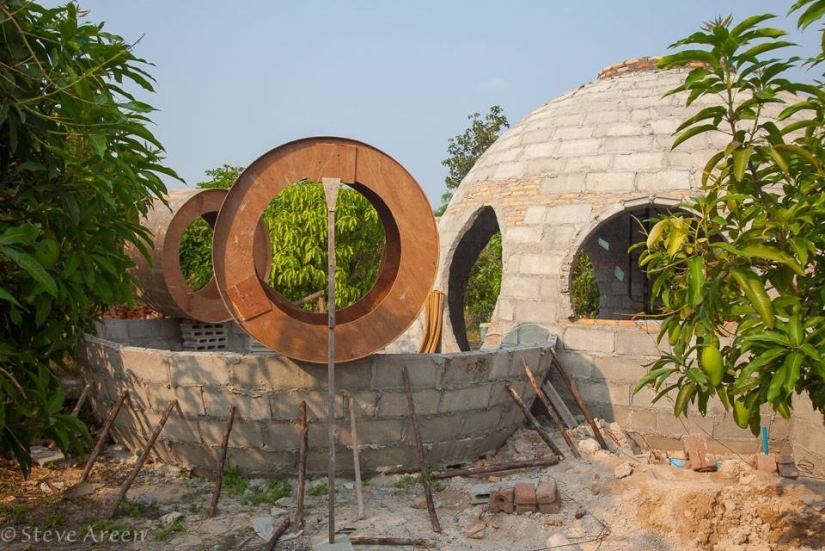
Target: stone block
{"points": [[245, 434], [190, 398], [534, 264], [355, 375], [286, 374], [610, 182], [502, 500], [618, 368], [251, 407], [605, 392], [535, 214], [394, 404], [388, 459], [481, 421], [765, 463], [193, 455], [583, 147], [548, 499], [144, 364], [474, 397], [578, 365], [210, 369], [269, 462], [435, 429], [525, 498], [562, 183], [518, 286], [592, 339], [664, 180], [282, 435], [374, 432], [537, 312], [466, 369], [639, 162], [318, 405], [181, 429], [633, 342], [285, 404], [525, 234], [629, 144], [424, 370], [500, 363]]}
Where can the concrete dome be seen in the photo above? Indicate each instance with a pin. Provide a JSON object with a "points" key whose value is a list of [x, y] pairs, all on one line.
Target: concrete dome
{"points": [[564, 170]]}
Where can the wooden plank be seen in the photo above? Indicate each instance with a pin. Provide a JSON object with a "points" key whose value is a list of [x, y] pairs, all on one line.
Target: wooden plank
{"points": [[559, 405], [697, 452]]}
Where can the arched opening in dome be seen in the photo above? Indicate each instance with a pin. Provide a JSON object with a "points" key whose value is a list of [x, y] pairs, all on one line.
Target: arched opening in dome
{"points": [[475, 279], [623, 287]]}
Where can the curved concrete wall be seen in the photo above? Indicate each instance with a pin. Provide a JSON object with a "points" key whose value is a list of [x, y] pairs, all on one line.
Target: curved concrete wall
{"points": [[463, 406]]}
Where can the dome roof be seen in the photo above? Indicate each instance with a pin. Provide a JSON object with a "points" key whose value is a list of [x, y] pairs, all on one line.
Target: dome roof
{"points": [[612, 135]]}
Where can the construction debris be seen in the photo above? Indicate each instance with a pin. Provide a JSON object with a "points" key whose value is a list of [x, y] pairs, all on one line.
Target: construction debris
{"points": [[697, 452]]}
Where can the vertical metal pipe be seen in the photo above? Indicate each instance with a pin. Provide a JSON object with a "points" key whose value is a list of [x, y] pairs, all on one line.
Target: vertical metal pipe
{"points": [[331, 187]]}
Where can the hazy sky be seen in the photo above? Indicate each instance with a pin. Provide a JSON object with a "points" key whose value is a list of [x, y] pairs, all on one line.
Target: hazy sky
{"points": [[236, 79]]}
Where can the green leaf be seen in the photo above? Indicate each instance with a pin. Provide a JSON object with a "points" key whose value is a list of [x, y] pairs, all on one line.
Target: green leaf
{"points": [[754, 290], [696, 280], [793, 363], [777, 382], [656, 232], [34, 269], [688, 134], [741, 157], [24, 234], [772, 253]]}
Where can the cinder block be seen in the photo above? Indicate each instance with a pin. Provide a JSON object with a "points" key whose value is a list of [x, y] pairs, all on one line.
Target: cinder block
{"points": [[765, 463], [355, 375], [274, 462], [210, 369], [181, 429], [190, 398], [466, 369], [374, 432], [631, 341], [250, 407], [475, 397], [525, 498], [547, 497], [286, 436], [151, 366], [481, 421], [502, 500], [245, 434], [579, 365], [618, 368], [436, 428], [424, 370], [394, 404], [590, 338]]}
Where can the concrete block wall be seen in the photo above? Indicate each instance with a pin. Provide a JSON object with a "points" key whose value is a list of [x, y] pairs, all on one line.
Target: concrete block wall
{"points": [[808, 437], [607, 357], [464, 409]]}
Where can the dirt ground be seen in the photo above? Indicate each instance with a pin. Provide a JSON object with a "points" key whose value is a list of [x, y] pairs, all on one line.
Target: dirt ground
{"points": [[655, 507]]}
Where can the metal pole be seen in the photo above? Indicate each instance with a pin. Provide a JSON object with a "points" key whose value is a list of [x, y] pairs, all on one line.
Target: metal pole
{"points": [[331, 188]]}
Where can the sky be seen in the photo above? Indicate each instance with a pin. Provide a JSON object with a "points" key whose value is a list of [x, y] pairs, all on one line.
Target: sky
{"points": [[236, 79]]}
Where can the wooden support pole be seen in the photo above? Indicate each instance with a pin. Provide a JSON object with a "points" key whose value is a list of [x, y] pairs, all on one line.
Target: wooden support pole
{"points": [[81, 400], [331, 188], [499, 467], [574, 391], [387, 540], [141, 460], [422, 459], [302, 465], [276, 535], [222, 462], [107, 426], [533, 421], [356, 459], [543, 398]]}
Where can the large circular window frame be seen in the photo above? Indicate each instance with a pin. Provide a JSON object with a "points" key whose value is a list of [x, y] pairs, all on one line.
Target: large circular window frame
{"points": [[408, 264]]}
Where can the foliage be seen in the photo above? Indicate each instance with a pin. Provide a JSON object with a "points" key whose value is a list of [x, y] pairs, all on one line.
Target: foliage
{"points": [[78, 168], [297, 222], [318, 490], [585, 289], [483, 286], [742, 283], [196, 242], [466, 148], [275, 489]]}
